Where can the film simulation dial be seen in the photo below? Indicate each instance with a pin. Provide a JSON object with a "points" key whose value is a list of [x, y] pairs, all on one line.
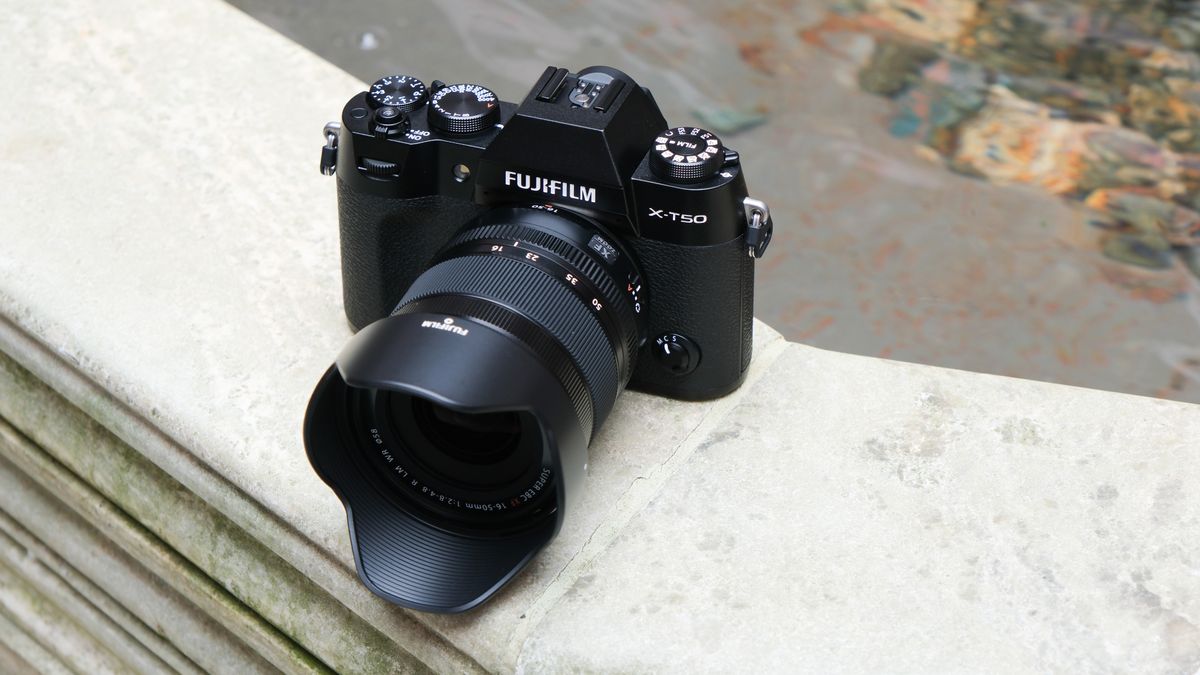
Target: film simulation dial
{"points": [[687, 155]]}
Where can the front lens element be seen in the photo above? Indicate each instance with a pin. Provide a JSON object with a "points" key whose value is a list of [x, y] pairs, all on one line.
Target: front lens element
{"points": [[484, 439], [481, 471]]}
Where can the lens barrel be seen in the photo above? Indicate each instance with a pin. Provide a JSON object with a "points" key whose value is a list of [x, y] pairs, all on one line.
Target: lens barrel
{"points": [[532, 273], [455, 431]]}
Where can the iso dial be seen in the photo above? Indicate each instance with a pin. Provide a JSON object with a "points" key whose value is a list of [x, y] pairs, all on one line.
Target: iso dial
{"points": [[463, 109]]}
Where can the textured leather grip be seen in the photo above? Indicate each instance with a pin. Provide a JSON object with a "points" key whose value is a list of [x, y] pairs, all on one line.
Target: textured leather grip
{"points": [[386, 242], [707, 294]]}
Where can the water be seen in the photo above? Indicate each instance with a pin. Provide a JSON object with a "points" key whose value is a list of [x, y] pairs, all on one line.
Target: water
{"points": [[879, 249]]}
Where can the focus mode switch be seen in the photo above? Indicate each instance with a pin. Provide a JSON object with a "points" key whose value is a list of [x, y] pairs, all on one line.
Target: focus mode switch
{"points": [[677, 353]]}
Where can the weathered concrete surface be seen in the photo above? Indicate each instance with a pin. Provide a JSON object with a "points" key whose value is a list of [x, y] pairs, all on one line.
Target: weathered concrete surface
{"points": [[112, 624], [84, 606], [20, 652], [183, 542], [52, 626], [188, 301], [853, 514]]}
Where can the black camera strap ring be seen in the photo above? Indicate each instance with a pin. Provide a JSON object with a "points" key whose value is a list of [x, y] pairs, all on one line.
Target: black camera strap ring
{"points": [[329, 151], [759, 227]]}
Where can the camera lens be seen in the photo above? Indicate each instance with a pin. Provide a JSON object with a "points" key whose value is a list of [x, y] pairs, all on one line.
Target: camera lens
{"points": [[456, 430], [480, 438], [475, 471]]}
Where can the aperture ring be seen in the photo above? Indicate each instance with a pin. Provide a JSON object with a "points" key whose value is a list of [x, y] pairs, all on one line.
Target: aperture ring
{"points": [[529, 333]]}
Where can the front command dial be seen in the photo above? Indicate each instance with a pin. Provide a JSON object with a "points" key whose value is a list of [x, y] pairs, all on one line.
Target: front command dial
{"points": [[402, 92], [686, 155], [463, 108]]}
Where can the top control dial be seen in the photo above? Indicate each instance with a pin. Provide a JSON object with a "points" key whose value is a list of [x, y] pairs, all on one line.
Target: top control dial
{"points": [[463, 108], [686, 155], [402, 92]]}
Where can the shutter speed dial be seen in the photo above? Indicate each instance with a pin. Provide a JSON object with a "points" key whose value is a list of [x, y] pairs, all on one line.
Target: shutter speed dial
{"points": [[686, 155], [403, 92], [463, 108]]}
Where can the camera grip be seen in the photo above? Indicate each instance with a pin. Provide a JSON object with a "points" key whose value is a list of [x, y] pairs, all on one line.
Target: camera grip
{"points": [[705, 293], [387, 242]]}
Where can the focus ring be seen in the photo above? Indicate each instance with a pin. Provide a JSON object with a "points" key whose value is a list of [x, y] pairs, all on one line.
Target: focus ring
{"points": [[541, 298], [532, 335]]}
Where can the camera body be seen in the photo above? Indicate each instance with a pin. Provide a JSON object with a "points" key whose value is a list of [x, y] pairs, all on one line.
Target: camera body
{"points": [[414, 165], [512, 269]]}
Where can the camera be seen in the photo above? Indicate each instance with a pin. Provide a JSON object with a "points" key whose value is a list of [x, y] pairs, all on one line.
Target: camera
{"points": [[510, 269]]}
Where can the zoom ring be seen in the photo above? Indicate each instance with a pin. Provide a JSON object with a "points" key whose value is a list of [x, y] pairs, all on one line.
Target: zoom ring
{"points": [[586, 267], [542, 299]]}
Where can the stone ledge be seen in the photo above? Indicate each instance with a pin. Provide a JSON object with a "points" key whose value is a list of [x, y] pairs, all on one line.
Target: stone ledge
{"points": [[231, 578], [187, 304], [859, 515], [82, 605], [20, 652]]}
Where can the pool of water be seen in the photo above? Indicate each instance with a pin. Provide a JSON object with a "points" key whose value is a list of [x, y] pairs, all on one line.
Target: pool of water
{"points": [[880, 249]]}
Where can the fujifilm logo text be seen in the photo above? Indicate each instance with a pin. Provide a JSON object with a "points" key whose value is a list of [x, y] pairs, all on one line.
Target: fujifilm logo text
{"points": [[556, 188], [445, 324]]}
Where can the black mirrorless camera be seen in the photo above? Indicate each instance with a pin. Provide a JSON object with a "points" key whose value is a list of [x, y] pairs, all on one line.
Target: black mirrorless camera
{"points": [[512, 269]]}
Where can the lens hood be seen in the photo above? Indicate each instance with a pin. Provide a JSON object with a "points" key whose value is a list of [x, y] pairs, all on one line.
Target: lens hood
{"points": [[469, 366]]}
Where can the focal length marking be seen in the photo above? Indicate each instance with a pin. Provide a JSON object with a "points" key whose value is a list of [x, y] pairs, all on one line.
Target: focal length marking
{"points": [[556, 266], [556, 188]]}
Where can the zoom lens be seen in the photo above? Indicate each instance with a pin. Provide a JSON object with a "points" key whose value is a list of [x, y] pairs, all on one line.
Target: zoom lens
{"points": [[456, 430], [481, 473], [552, 281], [481, 438]]}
